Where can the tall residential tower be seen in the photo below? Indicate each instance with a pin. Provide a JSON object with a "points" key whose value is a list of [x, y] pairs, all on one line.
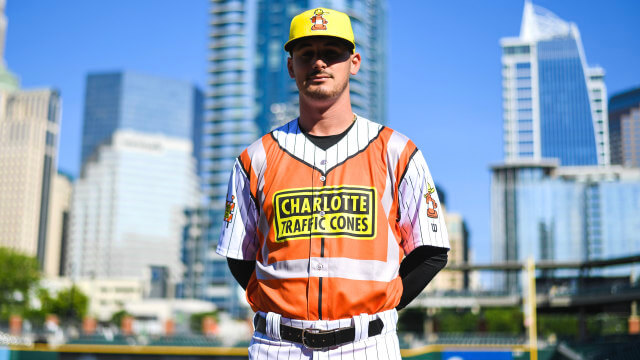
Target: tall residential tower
{"points": [[250, 89]]}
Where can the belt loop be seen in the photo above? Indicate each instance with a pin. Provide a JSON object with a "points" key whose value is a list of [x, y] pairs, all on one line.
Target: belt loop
{"points": [[273, 325], [361, 324]]}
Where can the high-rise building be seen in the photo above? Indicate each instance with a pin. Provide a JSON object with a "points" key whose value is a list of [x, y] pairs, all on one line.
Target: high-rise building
{"points": [[557, 197], [554, 104], [29, 127], [554, 213], [250, 90], [458, 255], [206, 274], [624, 128], [143, 103], [128, 209], [58, 224], [139, 174]]}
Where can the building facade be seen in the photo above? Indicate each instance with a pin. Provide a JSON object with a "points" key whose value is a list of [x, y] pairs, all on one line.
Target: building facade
{"points": [[564, 214], [127, 209], [58, 224], [206, 274], [458, 255], [554, 104], [250, 91], [29, 129], [106, 295], [624, 128], [143, 103]]}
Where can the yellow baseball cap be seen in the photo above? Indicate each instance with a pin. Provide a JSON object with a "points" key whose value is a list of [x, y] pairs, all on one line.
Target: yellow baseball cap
{"points": [[320, 22]]}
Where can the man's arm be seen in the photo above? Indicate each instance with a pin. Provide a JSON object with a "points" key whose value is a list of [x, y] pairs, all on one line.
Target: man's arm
{"points": [[241, 270], [425, 240], [238, 238], [418, 269]]}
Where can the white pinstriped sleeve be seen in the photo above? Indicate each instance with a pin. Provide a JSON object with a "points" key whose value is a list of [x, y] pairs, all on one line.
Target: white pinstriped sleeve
{"points": [[421, 215], [239, 238]]}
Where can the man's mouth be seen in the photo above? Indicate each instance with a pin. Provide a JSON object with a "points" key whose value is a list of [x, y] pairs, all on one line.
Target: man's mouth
{"points": [[319, 76]]}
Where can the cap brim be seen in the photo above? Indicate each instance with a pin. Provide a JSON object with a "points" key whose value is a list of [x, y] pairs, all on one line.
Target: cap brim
{"points": [[288, 46]]}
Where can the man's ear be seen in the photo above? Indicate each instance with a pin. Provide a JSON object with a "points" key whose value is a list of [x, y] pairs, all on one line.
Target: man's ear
{"points": [[356, 60], [290, 67]]}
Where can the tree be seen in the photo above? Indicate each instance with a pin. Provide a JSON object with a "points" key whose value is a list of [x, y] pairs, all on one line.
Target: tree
{"points": [[18, 274], [504, 320], [195, 321], [116, 318], [70, 304]]}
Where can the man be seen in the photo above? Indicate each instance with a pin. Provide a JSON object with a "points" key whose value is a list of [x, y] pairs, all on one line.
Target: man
{"points": [[321, 210]]}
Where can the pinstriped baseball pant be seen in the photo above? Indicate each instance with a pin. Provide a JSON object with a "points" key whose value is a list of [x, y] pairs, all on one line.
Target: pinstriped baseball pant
{"points": [[384, 346]]}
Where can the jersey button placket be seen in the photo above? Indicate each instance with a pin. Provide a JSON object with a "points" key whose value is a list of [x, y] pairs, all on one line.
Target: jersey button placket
{"points": [[319, 266]]}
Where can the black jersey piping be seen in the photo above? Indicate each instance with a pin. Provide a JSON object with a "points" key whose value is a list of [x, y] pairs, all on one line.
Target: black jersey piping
{"points": [[248, 175], [337, 164]]}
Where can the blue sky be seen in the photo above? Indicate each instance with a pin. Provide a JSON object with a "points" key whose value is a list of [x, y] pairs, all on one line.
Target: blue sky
{"points": [[443, 69]]}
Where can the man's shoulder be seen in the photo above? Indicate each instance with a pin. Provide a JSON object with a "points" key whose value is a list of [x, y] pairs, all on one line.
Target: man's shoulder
{"points": [[290, 127], [395, 137], [286, 128]]}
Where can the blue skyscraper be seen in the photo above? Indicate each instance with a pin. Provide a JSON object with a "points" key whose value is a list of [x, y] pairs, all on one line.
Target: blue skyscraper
{"points": [[624, 127], [554, 213], [250, 89], [554, 104], [143, 103], [140, 137], [557, 197]]}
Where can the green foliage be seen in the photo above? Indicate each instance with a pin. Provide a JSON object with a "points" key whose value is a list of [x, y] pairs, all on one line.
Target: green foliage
{"points": [[607, 324], [195, 321], [559, 324], [568, 325], [456, 321], [18, 273], [69, 305], [116, 318], [504, 320], [37, 315]]}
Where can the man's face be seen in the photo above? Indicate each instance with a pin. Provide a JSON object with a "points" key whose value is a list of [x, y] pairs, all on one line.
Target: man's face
{"points": [[321, 67]]}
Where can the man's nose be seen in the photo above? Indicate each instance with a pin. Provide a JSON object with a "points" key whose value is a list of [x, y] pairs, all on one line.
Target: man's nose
{"points": [[319, 62]]}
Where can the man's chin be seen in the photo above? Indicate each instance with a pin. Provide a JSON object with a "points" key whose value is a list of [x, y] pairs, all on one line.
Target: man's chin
{"points": [[319, 94]]}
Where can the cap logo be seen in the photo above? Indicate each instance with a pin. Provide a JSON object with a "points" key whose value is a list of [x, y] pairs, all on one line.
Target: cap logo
{"points": [[319, 22]]}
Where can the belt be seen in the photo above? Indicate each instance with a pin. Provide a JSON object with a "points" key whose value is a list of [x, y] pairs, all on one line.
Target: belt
{"points": [[316, 338]]}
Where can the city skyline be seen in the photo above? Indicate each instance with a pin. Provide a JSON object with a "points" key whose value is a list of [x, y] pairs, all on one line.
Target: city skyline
{"points": [[452, 74]]}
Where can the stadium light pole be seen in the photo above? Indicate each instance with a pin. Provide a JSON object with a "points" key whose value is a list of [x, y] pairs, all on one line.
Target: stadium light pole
{"points": [[532, 317]]}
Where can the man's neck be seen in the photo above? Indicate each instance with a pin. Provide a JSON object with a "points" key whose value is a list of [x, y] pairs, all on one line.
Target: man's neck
{"points": [[326, 119]]}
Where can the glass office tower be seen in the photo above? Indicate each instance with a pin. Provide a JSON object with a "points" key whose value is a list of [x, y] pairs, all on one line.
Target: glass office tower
{"points": [[554, 104], [128, 206], [144, 103], [250, 91], [624, 127], [557, 197], [564, 214]]}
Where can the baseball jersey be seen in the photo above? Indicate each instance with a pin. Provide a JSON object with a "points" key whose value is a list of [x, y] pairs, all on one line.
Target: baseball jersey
{"points": [[329, 228]]}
